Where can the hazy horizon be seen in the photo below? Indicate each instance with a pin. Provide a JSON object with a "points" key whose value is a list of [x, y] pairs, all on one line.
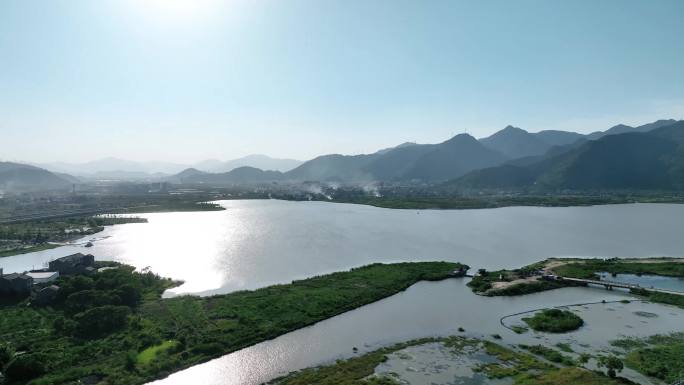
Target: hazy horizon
{"points": [[184, 81], [228, 159]]}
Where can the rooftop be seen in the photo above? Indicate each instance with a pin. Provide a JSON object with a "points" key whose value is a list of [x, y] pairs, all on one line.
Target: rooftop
{"points": [[15, 276], [42, 274]]}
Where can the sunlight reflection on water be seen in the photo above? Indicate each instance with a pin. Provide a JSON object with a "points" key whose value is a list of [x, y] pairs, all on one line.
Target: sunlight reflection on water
{"points": [[260, 242]]}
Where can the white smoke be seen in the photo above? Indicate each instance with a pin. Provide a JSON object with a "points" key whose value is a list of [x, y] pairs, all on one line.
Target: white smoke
{"points": [[372, 189]]}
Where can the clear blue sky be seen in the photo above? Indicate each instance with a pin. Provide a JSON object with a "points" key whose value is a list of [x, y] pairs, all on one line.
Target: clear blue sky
{"points": [[185, 80]]}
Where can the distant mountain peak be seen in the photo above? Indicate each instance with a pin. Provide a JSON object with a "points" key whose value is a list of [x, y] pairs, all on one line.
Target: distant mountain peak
{"points": [[510, 128], [461, 138], [620, 127], [514, 142]]}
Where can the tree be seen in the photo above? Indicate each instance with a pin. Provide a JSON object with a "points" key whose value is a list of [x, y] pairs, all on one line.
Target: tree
{"points": [[612, 363], [6, 354], [26, 366], [100, 321]]}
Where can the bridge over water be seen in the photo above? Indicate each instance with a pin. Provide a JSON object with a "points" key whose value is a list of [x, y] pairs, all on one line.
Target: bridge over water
{"points": [[611, 284]]}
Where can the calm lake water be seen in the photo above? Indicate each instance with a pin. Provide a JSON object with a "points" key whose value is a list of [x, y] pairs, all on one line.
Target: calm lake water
{"points": [[257, 243], [655, 281], [261, 242]]}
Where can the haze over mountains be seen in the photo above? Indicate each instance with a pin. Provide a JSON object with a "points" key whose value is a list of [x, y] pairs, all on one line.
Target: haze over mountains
{"points": [[650, 156], [522, 156], [114, 168]]}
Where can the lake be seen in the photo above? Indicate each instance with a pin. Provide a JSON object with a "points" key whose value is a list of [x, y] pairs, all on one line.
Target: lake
{"points": [[260, 242], [254, 243]]}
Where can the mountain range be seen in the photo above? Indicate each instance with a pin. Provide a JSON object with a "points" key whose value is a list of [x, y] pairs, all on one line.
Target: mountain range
{"points": [[650, 156], [641, 159], [16, 177], [512, 148]]}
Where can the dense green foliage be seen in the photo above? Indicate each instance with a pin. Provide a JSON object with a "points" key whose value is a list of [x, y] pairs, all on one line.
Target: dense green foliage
{"points": [[569, 376], [587, 269], [113, 325], [660, 356], [554, 321], [612, 364]]}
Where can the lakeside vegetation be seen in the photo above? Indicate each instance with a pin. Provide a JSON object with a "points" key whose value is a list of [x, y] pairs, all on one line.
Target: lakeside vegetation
{"points": [[114, 327], [495, 201], [13, 248], [522, 368], [659, 356], [554, 321], [170, 206], [37, 235], [587, 268]]}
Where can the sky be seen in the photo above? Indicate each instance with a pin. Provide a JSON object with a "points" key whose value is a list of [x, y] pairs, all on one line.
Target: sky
{"points": [[187, 80]]}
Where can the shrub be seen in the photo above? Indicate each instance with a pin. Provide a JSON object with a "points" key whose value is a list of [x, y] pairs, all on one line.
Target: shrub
{"points": [[554, 321], [100, 321], [612, 363], [6, 354], [26, 366]]}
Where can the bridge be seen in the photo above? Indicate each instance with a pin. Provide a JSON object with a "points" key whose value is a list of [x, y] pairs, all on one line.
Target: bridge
{"points": [[609, 285]]}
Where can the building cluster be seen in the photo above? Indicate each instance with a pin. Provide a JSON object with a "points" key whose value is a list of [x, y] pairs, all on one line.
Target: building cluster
{"points": [[37, 283]]}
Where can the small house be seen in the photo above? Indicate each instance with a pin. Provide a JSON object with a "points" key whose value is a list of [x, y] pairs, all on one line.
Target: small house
{"points": [[15, 284], [73, 264]]}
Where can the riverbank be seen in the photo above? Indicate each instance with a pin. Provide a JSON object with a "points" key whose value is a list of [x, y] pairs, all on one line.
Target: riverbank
{"points": [[494, 201], [38, 235], [153, 337], [24, 249]]}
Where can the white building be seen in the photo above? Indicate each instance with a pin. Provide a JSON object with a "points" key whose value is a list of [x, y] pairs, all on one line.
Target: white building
{"points": [[43, 276]]}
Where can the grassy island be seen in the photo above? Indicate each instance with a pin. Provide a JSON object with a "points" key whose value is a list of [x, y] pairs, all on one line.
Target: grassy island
{"points": [[112, 327], [554, 321]]}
